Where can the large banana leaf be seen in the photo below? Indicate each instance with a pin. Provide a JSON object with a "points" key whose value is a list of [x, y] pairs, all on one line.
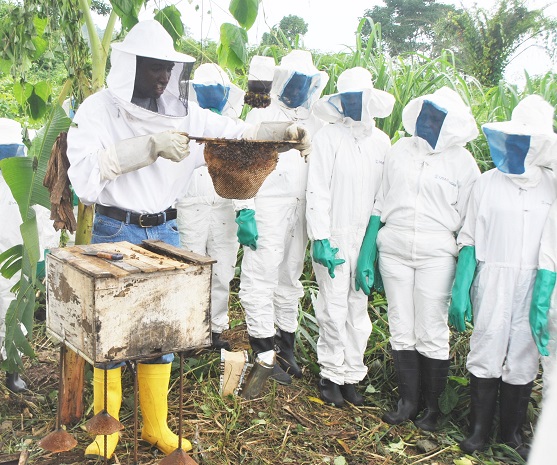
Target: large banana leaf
{"points": [[24, 176]]}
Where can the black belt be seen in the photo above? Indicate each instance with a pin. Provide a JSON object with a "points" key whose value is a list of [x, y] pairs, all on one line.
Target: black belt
{"points": [[145, 220]]}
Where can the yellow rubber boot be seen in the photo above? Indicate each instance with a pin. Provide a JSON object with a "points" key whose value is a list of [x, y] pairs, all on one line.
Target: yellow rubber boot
{"points": [[153, 380], [113, 403]]}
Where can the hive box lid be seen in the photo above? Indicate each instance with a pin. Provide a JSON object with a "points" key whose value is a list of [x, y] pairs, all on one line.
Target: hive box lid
{"points": [[153, 256]]}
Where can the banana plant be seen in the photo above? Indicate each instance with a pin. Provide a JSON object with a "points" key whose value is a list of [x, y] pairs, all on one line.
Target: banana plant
{"points": [[232, 50], [24, 176]]}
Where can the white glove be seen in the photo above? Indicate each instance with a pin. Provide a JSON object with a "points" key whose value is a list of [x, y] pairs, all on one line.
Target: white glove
{"points": [[299, 134], [171, 145], [138, 152], [282, 131]]}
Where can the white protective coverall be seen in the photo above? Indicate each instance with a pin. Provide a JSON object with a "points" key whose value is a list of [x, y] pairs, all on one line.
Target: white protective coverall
{"points": [[504, 222], [269, 284], [10, 135], [345, 171], [206, 220], [425, 193]]}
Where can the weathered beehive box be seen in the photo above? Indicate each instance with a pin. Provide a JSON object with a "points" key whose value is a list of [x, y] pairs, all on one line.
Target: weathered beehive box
{"points": [[155, 300]]}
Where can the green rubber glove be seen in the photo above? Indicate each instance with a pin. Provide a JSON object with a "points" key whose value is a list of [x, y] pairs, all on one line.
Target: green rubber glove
{"points": [[324, 254], [365, 268], [460, 309], [247, 228], [539, 308]]}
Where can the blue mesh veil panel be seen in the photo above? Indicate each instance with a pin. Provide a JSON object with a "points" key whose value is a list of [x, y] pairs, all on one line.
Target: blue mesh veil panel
{"points": [[508, 151], [11, 150], [351, 103], [212, 96], [297, 90], [430, 121]]}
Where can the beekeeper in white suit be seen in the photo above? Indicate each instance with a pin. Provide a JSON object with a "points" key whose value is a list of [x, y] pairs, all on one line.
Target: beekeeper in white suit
{"points": [[344, 178], [426, 186], [206, 220], [499, 246], [272, 226], [11, 145], [128, 152]]}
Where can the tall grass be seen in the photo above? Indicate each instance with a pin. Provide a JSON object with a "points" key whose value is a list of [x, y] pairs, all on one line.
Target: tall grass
{"points": [[412, 75]]}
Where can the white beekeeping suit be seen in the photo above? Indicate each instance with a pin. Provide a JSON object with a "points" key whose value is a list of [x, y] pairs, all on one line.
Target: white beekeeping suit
{"points": [[206, 220], [426, 186], [11, 144], [273, 263], [503, 228], [345, 171]]}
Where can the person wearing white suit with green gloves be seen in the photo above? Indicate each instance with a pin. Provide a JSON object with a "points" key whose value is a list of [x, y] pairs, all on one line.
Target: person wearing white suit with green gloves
{"points": [[499, 248], [272, 226], [206, 221], [426, 185], [344, 178]]}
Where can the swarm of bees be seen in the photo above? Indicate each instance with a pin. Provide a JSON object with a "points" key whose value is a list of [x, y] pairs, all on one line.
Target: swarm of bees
{"points": [[258, 92], [257, 100], [238, 167]]}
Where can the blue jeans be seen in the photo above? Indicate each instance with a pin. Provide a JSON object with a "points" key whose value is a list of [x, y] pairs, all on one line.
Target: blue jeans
{"points": [[107, 229]]}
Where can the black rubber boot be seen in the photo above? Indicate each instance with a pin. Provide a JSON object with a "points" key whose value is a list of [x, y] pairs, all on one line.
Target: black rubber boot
{"points": [[259, 345], [285, 353], [350, 394], [513, 404], [217, 343], [330, 392], [14, 382], [483, 398], [433, 375], [407, 367]]}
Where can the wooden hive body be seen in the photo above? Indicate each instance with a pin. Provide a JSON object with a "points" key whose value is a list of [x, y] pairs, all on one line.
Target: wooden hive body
{"points": [[155, 301]]}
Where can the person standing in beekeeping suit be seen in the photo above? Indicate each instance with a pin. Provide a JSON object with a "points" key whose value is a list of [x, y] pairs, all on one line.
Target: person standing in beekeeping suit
{"points": [[206, 220], [11, 145], [272, 226], [499, 247], [426, 185], [344, 178], [128, 153]]}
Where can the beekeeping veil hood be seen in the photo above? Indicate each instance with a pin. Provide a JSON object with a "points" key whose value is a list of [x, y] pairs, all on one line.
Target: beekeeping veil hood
{"points": [[148, 39], [441, 120], [297, 83], [522, 146], [11, 142], [356, 100], [211, 88]]}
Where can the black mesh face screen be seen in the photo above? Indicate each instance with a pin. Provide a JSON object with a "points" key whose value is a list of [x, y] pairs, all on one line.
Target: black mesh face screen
{"points": [[185, 77]]}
